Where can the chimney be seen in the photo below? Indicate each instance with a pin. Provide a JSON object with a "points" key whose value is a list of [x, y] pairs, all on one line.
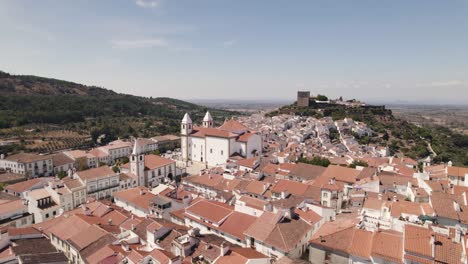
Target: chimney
{"points": [[379, 196], [224, 249], [133, 227], [109, 221], [321, 239], [2, 156], [125, 246], [433, 244], [394, 198], [457, 238]]}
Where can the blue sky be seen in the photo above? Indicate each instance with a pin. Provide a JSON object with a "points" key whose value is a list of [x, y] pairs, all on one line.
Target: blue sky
{"points": [[378, 50]]}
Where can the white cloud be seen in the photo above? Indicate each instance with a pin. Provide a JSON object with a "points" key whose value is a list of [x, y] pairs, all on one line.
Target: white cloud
{"points": [[148, 3], [140, 43], [448, 83], [229, 43]]}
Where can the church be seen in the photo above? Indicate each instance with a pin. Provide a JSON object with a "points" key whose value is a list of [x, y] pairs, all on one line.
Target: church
{"points": [[214, 146]]}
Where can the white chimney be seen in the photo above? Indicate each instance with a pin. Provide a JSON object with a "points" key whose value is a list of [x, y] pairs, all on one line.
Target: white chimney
{"points": [[224, 249], [433, 244], [457, 238], [379, 196]]}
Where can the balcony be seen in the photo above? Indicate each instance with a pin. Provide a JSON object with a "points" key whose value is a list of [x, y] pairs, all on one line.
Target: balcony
{"points": [[104, 188]]}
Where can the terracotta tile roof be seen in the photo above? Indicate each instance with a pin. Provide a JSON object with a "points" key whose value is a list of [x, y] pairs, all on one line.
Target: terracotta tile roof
{"points": [[447, 251], [234, 126], [307, 172], [249, 163], [210, 210], [209, 180], [236, 224], [61, 159], [308, 216], [27, 185], [98, 153], [457, 171], [237, 255], [13, 231], [406, 207], [291, 187], [245, 137], [282, 233], [12, 206], [339, 241], [388, 245], [211, 132], [443, 205], [138, 196], [436, 186], [342, 174], [154, 161], [418, 240], [101, 254], [361, 244], [389, 180], [27, 157], [253, 202], [95, 173], [86, 237], [68, 227], [375, 203], [263, 226], [339, 224]]}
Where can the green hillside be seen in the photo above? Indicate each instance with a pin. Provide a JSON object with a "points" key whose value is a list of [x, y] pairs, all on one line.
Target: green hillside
{"points": [[37, 101]]}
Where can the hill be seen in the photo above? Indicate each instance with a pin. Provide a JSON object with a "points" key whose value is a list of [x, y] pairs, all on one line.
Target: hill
{"points": [[401, 136], [44, 103]]}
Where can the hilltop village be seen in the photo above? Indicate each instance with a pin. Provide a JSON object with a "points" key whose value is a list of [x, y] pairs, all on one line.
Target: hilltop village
{"points": [[257, 189]]}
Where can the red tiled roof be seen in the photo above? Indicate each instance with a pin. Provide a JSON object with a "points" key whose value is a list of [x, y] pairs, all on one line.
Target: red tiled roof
{"points": [[100, 172], [210, 210]]}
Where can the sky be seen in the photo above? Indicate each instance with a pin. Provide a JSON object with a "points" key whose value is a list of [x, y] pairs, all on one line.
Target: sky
{"points": [[374, 50]]}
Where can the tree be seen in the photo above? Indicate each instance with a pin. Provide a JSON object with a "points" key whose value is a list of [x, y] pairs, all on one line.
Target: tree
{"points": [[319, 161], [358, 163], [321, 97], [62, 175]]}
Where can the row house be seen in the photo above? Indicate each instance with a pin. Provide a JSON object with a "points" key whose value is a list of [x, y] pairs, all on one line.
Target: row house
{"points": [[100, 182], [29, 164]]}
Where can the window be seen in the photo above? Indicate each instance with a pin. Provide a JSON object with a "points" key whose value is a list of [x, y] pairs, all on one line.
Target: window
{"points": [[54, 212], [46, 215], [222, 152], [211, 151], [159, 172]]}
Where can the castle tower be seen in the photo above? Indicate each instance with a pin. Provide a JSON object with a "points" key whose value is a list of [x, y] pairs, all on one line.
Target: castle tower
{"points": [[137, 164], [208, 120], [303, 98], [185, 130]]}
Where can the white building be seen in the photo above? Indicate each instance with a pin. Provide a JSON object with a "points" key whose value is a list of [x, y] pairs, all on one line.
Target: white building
{"points": [[100, 182], [149, 170], [31, 165], [214, 146]]}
